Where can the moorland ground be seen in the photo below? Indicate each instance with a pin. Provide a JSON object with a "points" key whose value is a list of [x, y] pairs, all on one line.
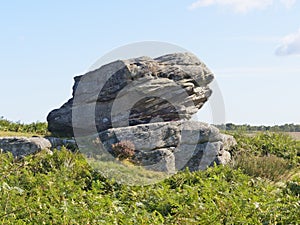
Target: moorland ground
{"points": [[260, 186]]}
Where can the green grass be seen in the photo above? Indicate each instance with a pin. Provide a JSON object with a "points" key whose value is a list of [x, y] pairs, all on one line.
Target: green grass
{"points": [[270, 167], [127, 173], [17, 134], [261, 186], [62, 188]]}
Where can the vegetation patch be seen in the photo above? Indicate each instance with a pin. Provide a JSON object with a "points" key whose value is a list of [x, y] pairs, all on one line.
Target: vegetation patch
{"points": [[9, 128], [62, 188], [268, 143], [67, 188], [123, 150]]}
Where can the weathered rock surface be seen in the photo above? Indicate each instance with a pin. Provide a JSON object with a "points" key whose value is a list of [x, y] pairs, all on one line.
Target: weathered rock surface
{"points": [[136, 91], [21, 146], [172, 146], [228, 141]]}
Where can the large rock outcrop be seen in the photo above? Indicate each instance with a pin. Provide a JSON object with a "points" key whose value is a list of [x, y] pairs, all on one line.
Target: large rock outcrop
{"points": [[147, 103], [171, 87]]}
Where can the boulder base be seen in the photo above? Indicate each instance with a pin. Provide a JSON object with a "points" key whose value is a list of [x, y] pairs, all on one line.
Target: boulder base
{"points": [[172, 146]]}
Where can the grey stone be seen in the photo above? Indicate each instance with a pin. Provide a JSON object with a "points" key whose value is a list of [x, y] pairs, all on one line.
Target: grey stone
{"points": [[204, 156], [59, 142], [161, 160], [21, 146], [228, 141], [223, 157], [136, 91]]}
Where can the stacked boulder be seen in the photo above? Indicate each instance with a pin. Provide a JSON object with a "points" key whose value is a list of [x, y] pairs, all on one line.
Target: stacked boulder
{"points": [[149, 103]]}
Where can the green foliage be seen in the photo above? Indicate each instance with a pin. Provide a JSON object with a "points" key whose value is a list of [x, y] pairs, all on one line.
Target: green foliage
{"points": [[293, 188], [63, 189], [38, 128], [270, 167], [249, 128], [273, 156], [264, 144]]}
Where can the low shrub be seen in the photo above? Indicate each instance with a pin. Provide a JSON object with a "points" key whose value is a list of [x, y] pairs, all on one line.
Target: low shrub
{"points": [[293, 187], [267, 143], [39, 128], [270, 167], [123, 150]]}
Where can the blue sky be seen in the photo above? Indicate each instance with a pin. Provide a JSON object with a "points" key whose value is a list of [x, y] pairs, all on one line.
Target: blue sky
{"points": [[252, 46]]}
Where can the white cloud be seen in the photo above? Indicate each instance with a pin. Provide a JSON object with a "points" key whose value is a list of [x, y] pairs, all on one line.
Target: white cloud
{"points": [[290, 45], [288, 3], [241, 6]]}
